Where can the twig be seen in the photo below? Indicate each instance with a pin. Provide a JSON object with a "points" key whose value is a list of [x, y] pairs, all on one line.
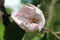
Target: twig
{"points": [[1, 13], [57, 32], [50, 11], [50, 31], [50, 17]]}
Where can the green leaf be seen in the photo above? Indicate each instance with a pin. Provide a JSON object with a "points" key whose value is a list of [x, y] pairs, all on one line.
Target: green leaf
{"points": [[14, 32], [1, 31]]}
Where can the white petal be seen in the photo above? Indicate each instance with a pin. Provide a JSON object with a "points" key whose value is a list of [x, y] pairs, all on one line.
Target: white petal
{"points": [[31, 27], [29, 12], [15, 18], [39, 12], [42, 22]]}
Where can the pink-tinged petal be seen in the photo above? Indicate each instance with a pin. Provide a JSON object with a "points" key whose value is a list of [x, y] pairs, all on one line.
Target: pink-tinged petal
{"points": [[30, 17], [26, 12], [23, 19], [32, 27], [42, 22], [13, 15]]}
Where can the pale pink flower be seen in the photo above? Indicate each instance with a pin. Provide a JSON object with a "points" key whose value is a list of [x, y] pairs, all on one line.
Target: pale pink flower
{"points": [[29, 18]]}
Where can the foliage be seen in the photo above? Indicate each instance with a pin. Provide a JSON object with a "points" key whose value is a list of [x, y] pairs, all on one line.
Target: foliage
{"points": [[1, 31], [8, 10], [54, 24]]}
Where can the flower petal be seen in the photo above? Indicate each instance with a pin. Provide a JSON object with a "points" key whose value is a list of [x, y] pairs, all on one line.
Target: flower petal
{"points": [[25, 14], [31, 27], [42, 22]]}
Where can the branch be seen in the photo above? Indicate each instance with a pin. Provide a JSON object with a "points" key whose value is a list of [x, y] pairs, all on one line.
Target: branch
{"points": [[1, 13], [50, 31], [50, 11], [57, 33]]}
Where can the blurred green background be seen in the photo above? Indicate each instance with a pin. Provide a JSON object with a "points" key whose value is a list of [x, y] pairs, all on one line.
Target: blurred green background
{"points": [[54, 24]]}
